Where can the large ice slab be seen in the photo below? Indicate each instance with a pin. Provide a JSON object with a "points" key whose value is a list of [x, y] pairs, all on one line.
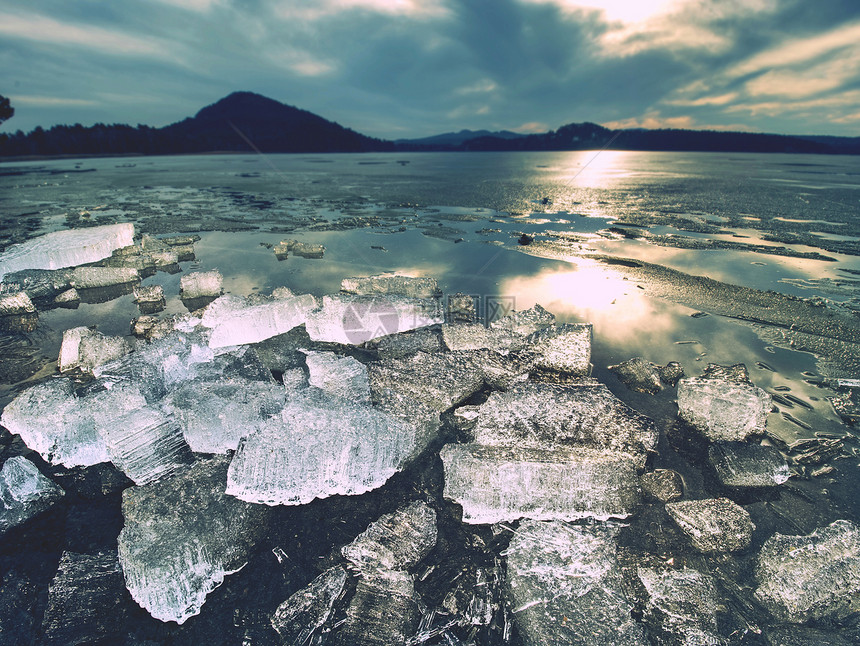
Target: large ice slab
{"points": [[352, 320], [343, 377], [545, 415], [24, 492], [495, 483], [256, 323], [564, 585], [683, 603], [713, 524], [182, 536], [391, 284], [723, 410], [67, 248], [317, 447], [811, 577], [215, 414]]}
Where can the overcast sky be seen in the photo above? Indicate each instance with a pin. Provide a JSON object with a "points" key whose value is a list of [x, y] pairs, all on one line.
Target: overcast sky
{"points": [[410, 68]]}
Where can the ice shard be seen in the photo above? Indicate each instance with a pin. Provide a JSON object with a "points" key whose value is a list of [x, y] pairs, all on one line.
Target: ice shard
{"points": [[24, 492], [747, 465], [215, 414], [353, 320], [392, 284], [67, 248], [86, 349], [683, 603], [723, 410], [714, 524], [317, 447], [299, 617], [182, 536], [384, 611], [495, 483], [564, 584], [546, 415], [803, 578], [343, 377], [256, 323]]}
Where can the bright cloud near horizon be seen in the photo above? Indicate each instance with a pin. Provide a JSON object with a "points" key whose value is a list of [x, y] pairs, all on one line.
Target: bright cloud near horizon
{"points": [[413, 68]]}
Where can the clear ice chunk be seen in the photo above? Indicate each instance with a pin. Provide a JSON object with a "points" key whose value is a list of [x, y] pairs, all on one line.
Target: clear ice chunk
{"points": [[391, 284], [746, 465], [317, 447], [306, 611], [353, 320], [713, 524], [216, 414], [803, 578], [684, 603], [384, 610], [86, 349], [639, 375], [67, 248], [722, 410], [182, 536], [24, 492], [474, 336], [256, 323], [560, 350], [495, 483], [396, 541], [546, 415], [343, 377], [201, 284], [564, 584]]}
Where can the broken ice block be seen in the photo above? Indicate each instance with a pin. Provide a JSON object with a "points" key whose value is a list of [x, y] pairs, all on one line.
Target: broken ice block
{"points": [[684, 603], [343, 377], [297, 618], [24, 492], [545, 415], [238, 326], [396, 541], [352, 320], [494, 483], [560, 350], [663, 485], [201, 284], [66, 248], [474, 336], [524, 322], [746, 465], [392, 284], [383, 611], [69, 299], [85, 349], [182, 536], [17, 303], [396, 346], [564, 584], [99, 277], [307, 249], [723, 411], [86, 601], [149, 299], [713, 525], [216, 414], [317, 447], [639, 375], [811, 577]]}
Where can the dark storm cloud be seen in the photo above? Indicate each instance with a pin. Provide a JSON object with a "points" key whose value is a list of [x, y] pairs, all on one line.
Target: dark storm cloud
{"points": [[396, 68]]}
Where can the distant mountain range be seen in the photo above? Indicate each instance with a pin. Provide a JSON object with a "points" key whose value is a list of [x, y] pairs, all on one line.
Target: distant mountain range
{"points": [[248, 122]]}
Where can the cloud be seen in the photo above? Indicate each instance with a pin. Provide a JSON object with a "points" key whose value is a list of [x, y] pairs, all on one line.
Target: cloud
{"points": [[52, 101]]}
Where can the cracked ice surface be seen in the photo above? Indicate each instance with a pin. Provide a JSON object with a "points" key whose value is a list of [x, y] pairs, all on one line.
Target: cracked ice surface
{"points": [[494, 483], [722, 410], [182, 536], [352, 320], [565, 586], [317, 447], [543, 415], [24, 492], [67, 248]]}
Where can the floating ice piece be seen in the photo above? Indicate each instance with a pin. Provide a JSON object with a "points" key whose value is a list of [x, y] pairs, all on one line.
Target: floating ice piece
{"points": [[723, 411], [664, 485], [811, 577], [101, 277], [149, 299], [182, 536], [565, 586], [320, 446], [746, 465], [349, 319], [258, 322], [201, 284], [86, 349], [494, 483], [639, 375], [85, 601], [343, 377], [24, 492], [714, 524], [297, 618], [383, 611], [69, 299], [396, 541], [683, 603], [392, 284], [545, 415], [67, 248], [215, 415]]}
